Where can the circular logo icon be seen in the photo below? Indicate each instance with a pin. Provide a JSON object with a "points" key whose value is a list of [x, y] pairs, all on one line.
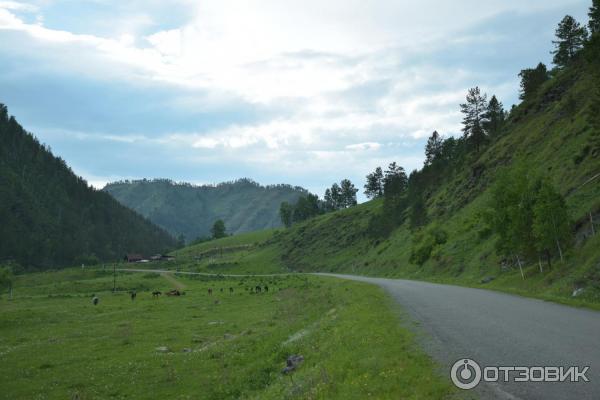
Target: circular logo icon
{"points": [[465, 374]]}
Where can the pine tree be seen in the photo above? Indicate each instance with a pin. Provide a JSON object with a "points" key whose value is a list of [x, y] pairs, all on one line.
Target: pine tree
{"points": [[494, 117], [532, 79], [218, 229], [474, 119], [594, 14], [374, 185], [571, 37], [433, 147], [348, 193], [395, 181]]}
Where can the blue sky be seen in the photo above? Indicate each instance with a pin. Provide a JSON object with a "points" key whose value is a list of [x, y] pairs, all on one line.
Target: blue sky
{"points": [[300, 92]]}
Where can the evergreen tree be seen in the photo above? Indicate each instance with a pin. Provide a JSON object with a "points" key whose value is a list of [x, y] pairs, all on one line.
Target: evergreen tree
{"points": [[433, 148], [286, 211], [474, 110], [218, 229], [594, 14], [571, 37], [374, 185], [494, 117], [348, 193], [532, 79], [395, 181]]}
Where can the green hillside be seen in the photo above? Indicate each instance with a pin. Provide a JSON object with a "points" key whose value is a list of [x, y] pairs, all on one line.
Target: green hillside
{"points": [[551, 134], [51, 217], [181, 208]]}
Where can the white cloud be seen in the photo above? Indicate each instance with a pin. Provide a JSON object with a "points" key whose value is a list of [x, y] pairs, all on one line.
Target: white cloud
{"points": [[341, 82]]}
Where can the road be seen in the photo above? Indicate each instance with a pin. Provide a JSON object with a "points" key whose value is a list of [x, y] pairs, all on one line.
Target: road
{"points": [[496, 329]]}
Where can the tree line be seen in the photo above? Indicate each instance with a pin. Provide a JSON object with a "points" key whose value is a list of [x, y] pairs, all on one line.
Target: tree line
{"points": [[337, 197]]}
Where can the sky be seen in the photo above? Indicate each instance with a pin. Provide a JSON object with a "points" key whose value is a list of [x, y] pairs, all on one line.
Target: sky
{"points": [[300, 92]]}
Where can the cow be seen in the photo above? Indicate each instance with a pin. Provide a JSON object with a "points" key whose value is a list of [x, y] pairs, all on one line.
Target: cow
{"points": [[209, 291], [156, 293], [95, 300], [133, 295]]}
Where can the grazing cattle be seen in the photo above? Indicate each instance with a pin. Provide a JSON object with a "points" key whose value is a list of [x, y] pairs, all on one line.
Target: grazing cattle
{"points": [[133, 295], [156, 293], [95, 301], [209, 291], [258, 289], [230, 290], [174, 292], [266, 288]]}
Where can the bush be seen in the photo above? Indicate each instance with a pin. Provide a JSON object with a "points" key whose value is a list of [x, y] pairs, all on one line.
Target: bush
{"points": [[424, 243]]}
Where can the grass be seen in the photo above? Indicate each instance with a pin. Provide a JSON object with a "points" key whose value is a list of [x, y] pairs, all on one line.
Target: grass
{"points": [[54, 344]]}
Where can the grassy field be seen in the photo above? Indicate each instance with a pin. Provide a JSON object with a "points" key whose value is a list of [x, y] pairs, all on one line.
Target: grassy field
{"points": [[247, 253], [54, 344]]}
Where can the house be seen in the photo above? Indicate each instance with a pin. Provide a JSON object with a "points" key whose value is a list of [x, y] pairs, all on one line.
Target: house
{"points": [[133, 258]]}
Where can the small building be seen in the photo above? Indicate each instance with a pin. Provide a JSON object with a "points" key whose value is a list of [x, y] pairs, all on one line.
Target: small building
{"points": [[133, 258]]}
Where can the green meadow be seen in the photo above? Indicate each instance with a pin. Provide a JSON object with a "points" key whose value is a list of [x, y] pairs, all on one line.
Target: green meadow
{"points": [[55, 344]]}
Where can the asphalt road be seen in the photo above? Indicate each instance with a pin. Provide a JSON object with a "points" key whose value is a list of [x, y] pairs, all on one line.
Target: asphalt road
{"points": [[496, 329]]}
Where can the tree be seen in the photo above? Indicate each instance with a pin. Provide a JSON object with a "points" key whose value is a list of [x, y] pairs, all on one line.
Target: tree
{"points": [[333, 198], [218, 229], [571, 37], [594, 14], [532, 79], [433, 148], [494, 117], [551, 220], [395, 181], [474, 110], [286, 211], [511, 213], [306, 207], [374, 185], [348, 193]]}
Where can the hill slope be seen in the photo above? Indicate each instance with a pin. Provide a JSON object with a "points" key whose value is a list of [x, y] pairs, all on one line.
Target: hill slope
{"points": [[51, 217], [190, 210], [552, 133]]}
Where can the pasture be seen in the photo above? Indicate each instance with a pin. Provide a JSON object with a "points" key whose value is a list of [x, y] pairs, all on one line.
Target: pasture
{"points": [[55, 344]]}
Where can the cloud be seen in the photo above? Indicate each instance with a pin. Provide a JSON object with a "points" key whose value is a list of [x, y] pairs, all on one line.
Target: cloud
{"points": [[306, 92]]}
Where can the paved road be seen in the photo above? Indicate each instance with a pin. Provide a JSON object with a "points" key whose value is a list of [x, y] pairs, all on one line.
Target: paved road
{"points": [[497, 329]]}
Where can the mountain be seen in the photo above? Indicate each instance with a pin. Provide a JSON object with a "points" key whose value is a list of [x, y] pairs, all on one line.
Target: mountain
{"points": [[51, 217], [182, 208]]}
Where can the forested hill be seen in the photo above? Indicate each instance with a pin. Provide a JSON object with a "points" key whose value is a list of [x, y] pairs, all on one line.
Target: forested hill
{"points": [[185, 209], [50, 217]]}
